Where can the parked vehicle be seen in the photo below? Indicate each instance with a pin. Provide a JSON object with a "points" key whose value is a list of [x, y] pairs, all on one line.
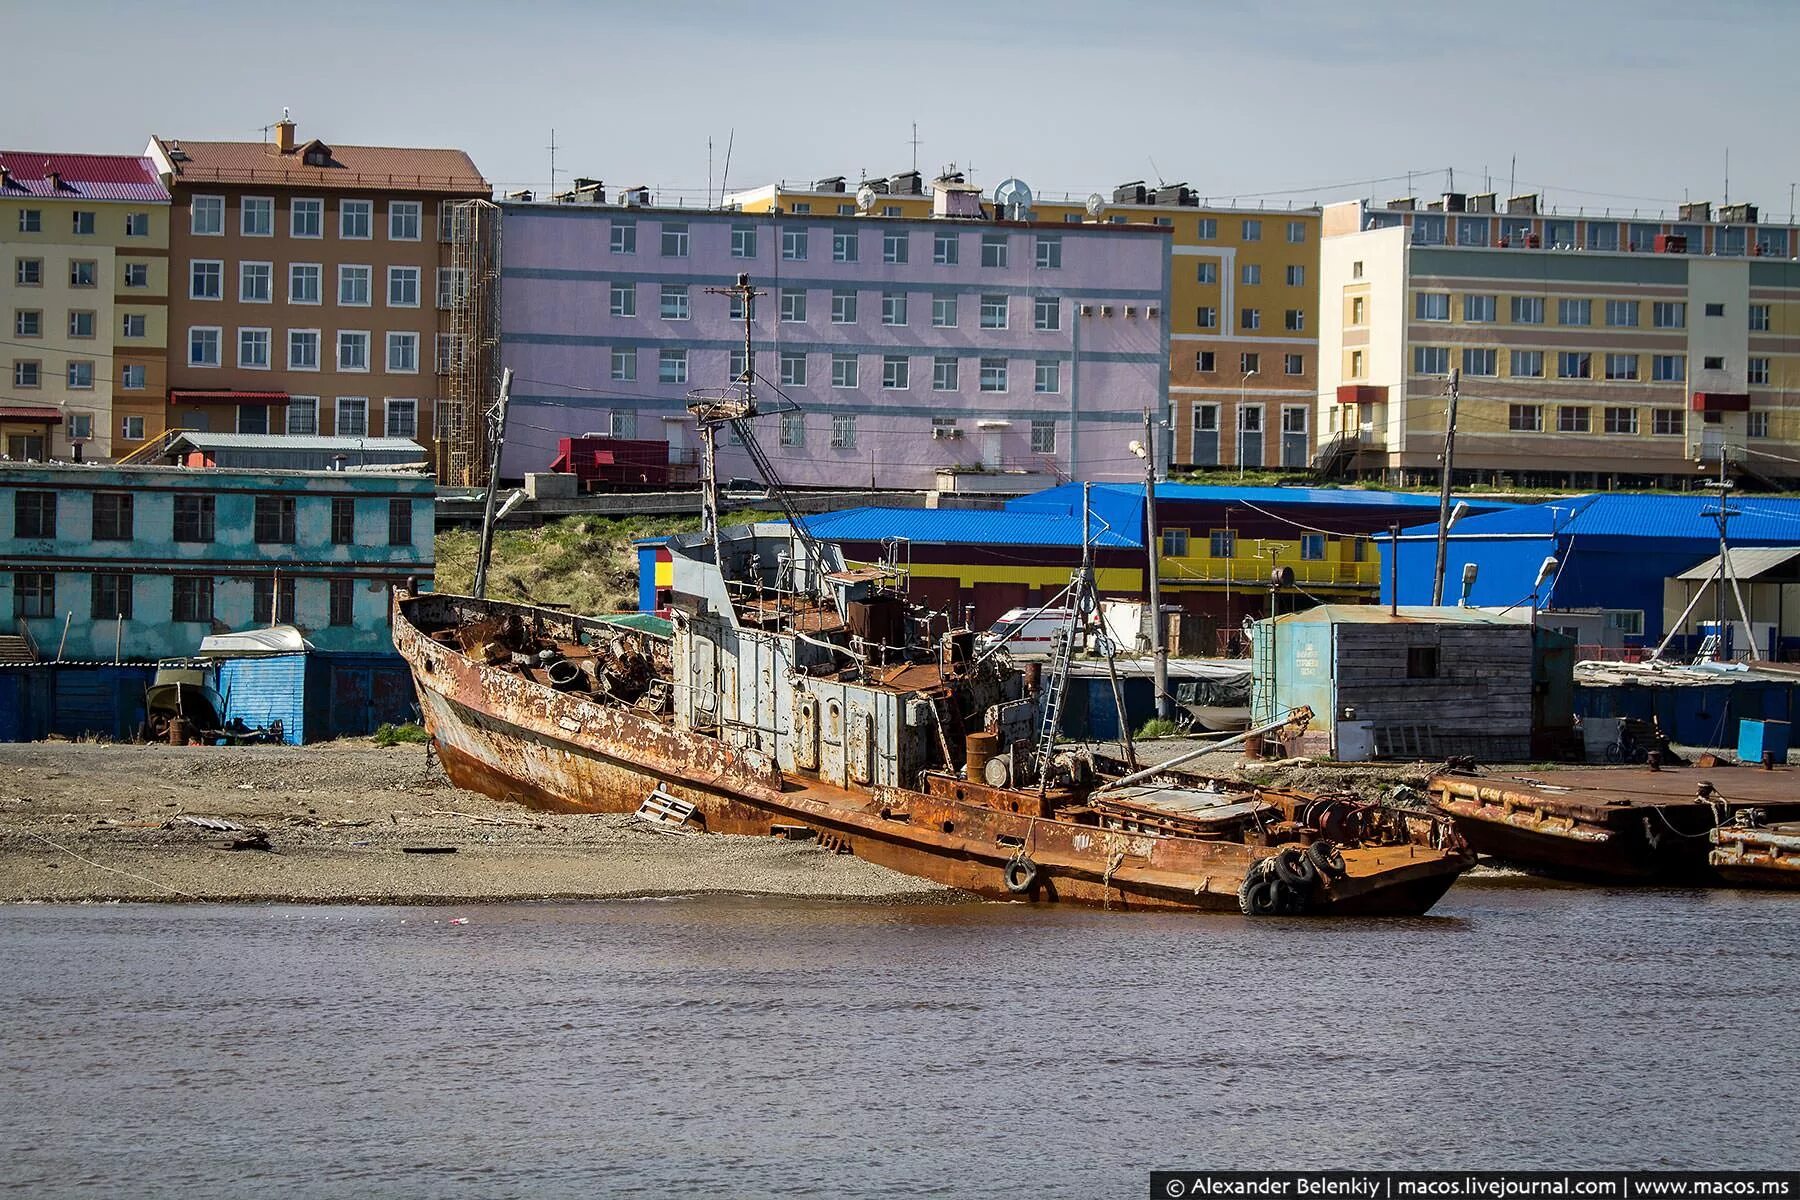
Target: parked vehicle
{"points": [[1026, 632]]}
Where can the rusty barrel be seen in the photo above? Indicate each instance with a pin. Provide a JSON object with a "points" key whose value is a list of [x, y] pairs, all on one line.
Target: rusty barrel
{"points": [[178, 731], [978, 749]]}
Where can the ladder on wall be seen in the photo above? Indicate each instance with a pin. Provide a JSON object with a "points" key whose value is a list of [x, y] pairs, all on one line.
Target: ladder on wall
{"points": [[1062, 644]]}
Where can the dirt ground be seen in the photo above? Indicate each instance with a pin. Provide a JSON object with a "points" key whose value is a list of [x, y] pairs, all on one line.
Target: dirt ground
{"points": [[343, 821]]}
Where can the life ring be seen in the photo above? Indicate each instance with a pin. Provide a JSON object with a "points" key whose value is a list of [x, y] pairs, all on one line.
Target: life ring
{"points": [[1294, 868], [1021, 875], [1325, 855]]}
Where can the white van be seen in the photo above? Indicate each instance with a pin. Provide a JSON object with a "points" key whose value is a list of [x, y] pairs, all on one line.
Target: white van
{"points": [[1026, 631]]}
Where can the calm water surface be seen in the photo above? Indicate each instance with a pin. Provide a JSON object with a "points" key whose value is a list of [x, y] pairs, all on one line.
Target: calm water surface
{"points": [[743, 1047]]}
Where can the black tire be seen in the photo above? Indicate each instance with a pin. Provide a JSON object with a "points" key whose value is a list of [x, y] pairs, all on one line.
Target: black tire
{"points": [[1289, 901], [1021, 875], [1295, 869], [1325, 855], [1260, 895]]}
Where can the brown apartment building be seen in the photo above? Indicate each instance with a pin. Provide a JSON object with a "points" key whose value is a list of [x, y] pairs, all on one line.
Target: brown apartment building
{"points": [[309, 284]]}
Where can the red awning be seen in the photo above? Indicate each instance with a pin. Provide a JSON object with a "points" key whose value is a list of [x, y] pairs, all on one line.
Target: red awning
{"points": [[225, 396], [1721, 401], [49, 416], [603, 458], [1361, 393]]}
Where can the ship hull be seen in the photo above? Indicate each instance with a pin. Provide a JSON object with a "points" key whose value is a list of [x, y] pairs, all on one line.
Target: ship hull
{"points": [[500, 734]]}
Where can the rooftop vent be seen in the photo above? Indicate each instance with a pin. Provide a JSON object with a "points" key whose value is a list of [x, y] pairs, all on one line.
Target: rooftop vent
{"points": [[879, 186], [908, 183], [1130, 193], [1738, 214], [834, 184], [1404, 204], [1523, 206], [1455, 202], [1481, 202], [1699, 210], [1175, 193]]}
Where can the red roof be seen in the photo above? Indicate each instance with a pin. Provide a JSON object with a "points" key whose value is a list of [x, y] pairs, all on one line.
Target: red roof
{"points": [[83, 176], [51, 416], [373, 168], [225, 396]]}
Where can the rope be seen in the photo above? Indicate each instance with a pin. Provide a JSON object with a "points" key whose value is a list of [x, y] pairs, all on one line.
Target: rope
{"points": [[102, 866]]}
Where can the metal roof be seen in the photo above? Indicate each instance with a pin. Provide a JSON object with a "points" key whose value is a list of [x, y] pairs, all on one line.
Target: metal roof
{"points": [[1761, 520], [964, 527], [83, 176], [297, 444], [1409, 614], [1067, 497], [1745, 562], [383, 168]]}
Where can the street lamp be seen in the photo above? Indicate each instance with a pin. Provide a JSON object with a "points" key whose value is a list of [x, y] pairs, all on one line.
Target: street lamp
{"points": [[1243, 385]]}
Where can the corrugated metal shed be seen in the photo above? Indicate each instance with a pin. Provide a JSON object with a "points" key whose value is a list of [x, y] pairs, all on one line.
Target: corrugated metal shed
{"points": [[1746, 562], [968, 527], [271, 688], [38, 700], [1759, 520], [280, 452]]}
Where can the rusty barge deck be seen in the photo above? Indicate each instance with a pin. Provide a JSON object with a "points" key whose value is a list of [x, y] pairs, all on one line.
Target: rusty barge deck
{"points": [[1612, 825]]}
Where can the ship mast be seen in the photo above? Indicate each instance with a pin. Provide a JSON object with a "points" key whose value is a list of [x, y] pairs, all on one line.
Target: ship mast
{"points": [[713, 407]]}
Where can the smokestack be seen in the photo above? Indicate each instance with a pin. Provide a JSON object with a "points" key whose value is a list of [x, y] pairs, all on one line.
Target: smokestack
{"points": [[284, 136]]}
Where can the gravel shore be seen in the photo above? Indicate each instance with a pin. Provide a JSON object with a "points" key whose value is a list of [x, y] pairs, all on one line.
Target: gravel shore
{"points": [[351, 822]]}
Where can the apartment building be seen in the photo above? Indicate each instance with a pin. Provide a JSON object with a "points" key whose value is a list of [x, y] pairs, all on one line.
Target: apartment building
{"points": [[1243, 325], [897, 352], [139, 563], [85, 239], [1593, 351], [312, 284]]}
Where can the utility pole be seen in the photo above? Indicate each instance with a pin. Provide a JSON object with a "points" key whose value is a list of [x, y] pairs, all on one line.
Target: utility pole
{"points": [[1443, 523], [1159, 650], [497, 442]]}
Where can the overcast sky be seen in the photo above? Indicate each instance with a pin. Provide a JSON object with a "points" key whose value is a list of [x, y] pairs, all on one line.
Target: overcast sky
{"points": [[1616, 104]]}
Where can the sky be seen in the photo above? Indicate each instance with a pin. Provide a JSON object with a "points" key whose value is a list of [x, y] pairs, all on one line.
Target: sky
{"points": [[1601, 105]]}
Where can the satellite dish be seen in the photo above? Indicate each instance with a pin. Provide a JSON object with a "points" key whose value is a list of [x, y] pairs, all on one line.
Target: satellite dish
{"points": [[865, 198], [1013, 198], [1096, 204]]}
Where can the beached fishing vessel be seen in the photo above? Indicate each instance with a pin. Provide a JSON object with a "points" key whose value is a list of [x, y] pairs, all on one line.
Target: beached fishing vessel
{"points": [[791, 693]]}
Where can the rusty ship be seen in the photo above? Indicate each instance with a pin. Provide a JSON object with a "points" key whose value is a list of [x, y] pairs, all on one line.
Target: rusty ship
{"points": [[791, 693]]}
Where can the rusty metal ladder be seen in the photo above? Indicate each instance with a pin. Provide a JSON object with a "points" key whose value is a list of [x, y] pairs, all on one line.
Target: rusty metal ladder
{"points": [[1061, 647]]}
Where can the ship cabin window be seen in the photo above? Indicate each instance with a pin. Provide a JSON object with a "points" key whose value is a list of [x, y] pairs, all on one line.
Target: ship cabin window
{"points": [[1421, 662]]}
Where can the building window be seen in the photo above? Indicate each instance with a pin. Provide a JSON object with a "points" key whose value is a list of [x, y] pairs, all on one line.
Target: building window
{"points": [[253, 349], [449, 352], [31, 220], [1421, 662], [1043, 437], [352, 416], [1222, 543], [1759, 318], [342, 597], [1296, 232], [1622, 313], [34, 514], [793, 304], [352, 350], [1293, 364], [1206, 272], [738, 367], [1048, 380], [1249, 363], [207, 216], [946, 249], [624, 365], [1573, 419], [1666, 422], [133, 377], [403, 287], [1046, 313], [1047, 251], [1481, 309], [793, 245], [132, 429], [993, 374], [356, 219], [1524, 418], [994, 249], [206, 279], [1472, 231], [403, 353], [1621, 420], [1251, 318], [1250, 274], [844, 371], [793, 429], [1527, 364], [843, 307], [1668, 368], [193, 599], [81, 323], [1668, 314], [743, 241], [302, 416], [1602, 235], [1206, 229], [195, 517], [846, 247], [343, 521], [26, 373], [1251, 230], [1431, 360], [1206, 362], [405, 220], [792, 369], [1296, 276], [1757, 371], [623, 237], [256, 216], [893, 308], [306, 218], [252, 418], [137, 275], [34, 594], [400, 522], [1621, 366], [353, 286], [1431, 306], [1756, 424], [1528, 310], [802, 208], [304, 283], [622, 300], [622, 423], [402, 416], [269, 604], [1312, 547], [303, 350], [203, 346], [274, 520], [112, 596], [1174, 543], [894, 370], [80, 375], [255, 282], [1575, 312], [1206, 317], [944, 373], [1715, 310], [28, 323], [1294, 320], [1574, 364], [674, 305], [993, 312], [671, 366], [29, 272]]}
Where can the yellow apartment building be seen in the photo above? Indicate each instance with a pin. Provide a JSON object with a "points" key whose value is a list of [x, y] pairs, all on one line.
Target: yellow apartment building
{"points": [[85, 239]]}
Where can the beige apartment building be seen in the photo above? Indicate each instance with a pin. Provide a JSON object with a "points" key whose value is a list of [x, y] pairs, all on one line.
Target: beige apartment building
{"points": [[310, 284]]}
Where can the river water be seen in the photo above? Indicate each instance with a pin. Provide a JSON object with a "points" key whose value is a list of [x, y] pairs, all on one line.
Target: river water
{"points": [[731, 1047]]}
